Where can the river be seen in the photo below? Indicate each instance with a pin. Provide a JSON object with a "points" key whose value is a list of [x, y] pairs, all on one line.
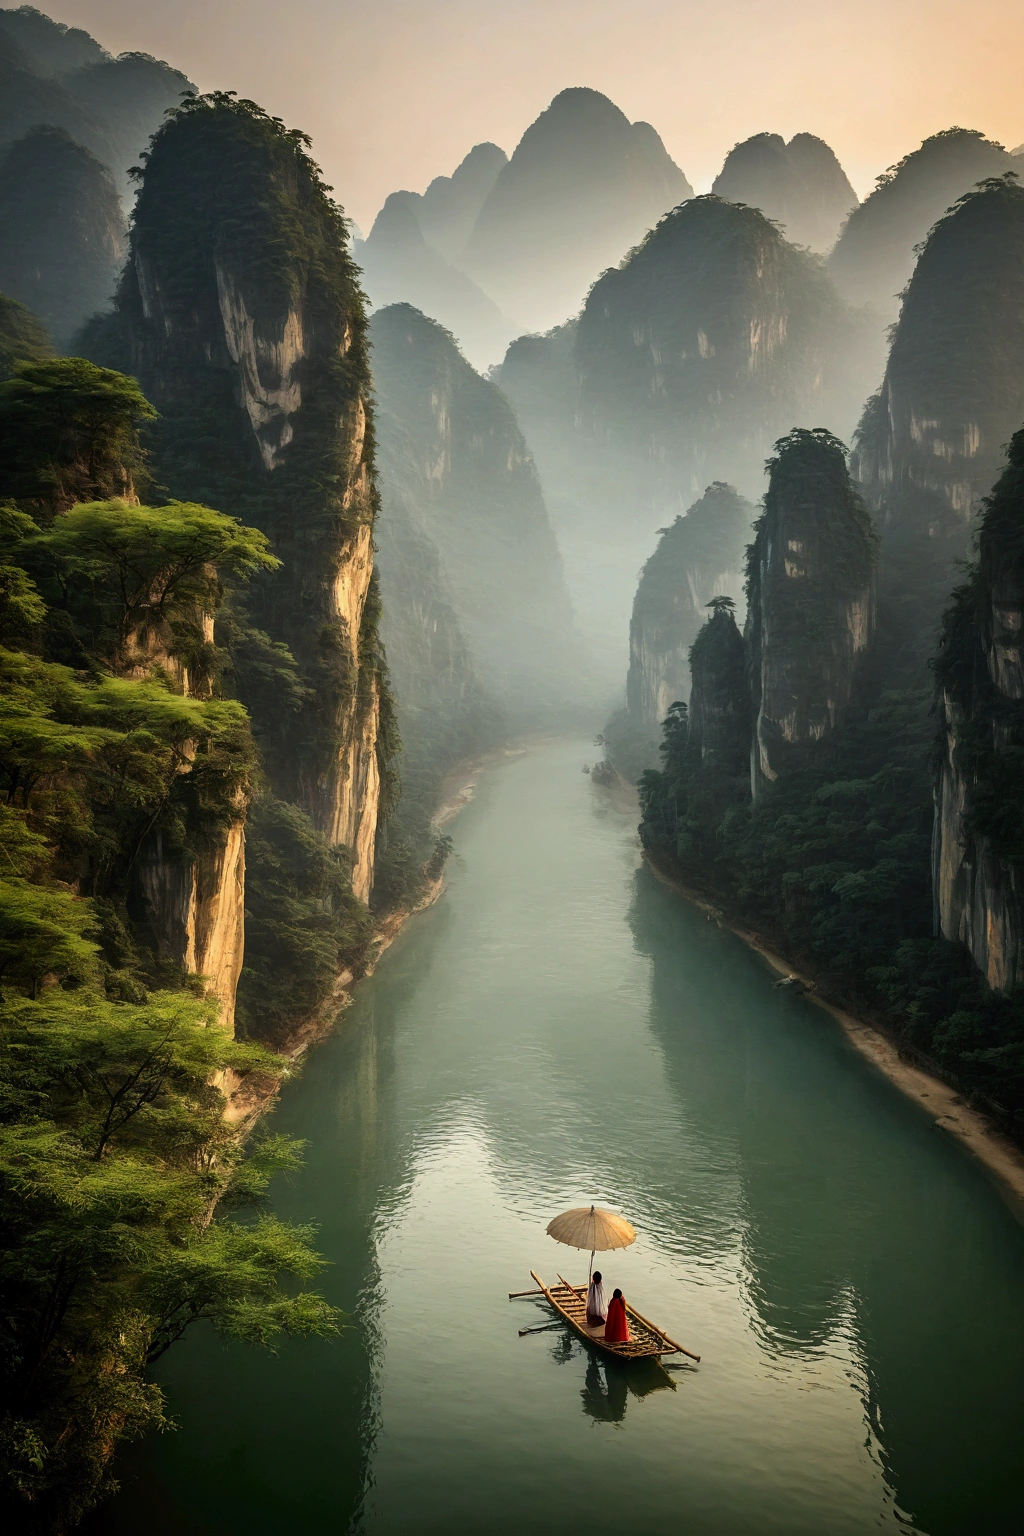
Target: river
{"points": [[560, 1028]]}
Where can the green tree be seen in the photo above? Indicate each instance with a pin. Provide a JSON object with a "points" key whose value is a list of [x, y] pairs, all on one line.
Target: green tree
{"points": [[69, 431], [121, 568]]}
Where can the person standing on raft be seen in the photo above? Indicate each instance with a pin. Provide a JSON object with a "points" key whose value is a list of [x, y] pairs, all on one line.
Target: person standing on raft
{"points": [[597, 1308], [616, 1329]]}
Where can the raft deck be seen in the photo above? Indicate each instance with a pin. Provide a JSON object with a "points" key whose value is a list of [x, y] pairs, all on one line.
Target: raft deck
{"points": [[646, 1340]]}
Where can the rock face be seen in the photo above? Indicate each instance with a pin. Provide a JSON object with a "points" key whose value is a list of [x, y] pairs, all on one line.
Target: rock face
{"points": [[978, 843], [399, 266], [713, 338], [687, 363], [811, 601], [930, 444], [583, 185], [471, 486], [240, 314], [62, 234], [874, 256], [800, 184], [718, 736], [699, 558]]}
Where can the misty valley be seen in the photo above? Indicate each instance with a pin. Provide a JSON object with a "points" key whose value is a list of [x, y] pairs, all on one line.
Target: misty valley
{"points": [[519, 709]]}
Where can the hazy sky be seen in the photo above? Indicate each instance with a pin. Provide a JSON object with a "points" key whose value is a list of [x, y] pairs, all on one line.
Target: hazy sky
{"points": [[395, 92]]}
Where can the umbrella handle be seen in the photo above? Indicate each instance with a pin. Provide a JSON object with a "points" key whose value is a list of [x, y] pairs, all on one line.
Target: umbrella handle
{"points": [[591, 1270]]}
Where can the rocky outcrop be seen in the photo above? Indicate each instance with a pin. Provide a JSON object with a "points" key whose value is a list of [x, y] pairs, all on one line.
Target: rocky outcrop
{"points": [[583, 185], [240, 313], [811, 601], [712, 339], [699, 558], [718, 737], [978, 842], [875, 254], [930, 443], [193, 907], [399, 266], [800, 184], [469, 483], [715, 336], [62, 233]]}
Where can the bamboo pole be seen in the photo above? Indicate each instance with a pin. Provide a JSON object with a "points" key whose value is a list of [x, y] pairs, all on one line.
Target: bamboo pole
{"points": [[662, 1334], [512, 1295]]}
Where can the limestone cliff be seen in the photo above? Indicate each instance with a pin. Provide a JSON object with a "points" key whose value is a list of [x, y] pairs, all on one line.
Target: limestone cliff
{"points": [[875, 254], [718, 737], [582, 186], [810, 591], [699, 558], [472, 488], [930, 443], [800, 184], [978, 841], [240, 313]]}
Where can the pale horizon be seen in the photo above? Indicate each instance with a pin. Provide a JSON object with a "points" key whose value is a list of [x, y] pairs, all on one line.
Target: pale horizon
{"points": [[396, 95]]}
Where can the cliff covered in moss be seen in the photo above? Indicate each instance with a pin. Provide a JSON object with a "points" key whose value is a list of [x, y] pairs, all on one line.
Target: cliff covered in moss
{"points": [[876, 251], [979, 831], [810, 590], [930, 443], [699, 558], [241, 314]]}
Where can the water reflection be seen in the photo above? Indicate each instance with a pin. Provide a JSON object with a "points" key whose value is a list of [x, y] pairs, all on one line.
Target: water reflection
{"points": [[861, 1223], [561, 1028]]}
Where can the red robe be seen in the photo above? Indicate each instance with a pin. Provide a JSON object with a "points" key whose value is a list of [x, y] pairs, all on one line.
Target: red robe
{"points": [[616, 1328]]}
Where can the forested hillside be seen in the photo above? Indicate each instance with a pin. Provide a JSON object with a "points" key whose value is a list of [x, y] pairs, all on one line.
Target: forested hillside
{"points": [[122, 760]]}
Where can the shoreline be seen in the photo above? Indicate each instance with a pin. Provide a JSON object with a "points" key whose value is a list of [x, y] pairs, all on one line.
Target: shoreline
{"points": [[1002, 1158], [246, 1106]]}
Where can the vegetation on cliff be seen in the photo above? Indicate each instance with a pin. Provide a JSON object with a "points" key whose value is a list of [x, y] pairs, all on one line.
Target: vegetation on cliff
{"points": [[699, 558], [240, 312], [875, 253], [113, 1144], [61, 230], [930, 444], [831, 861]]}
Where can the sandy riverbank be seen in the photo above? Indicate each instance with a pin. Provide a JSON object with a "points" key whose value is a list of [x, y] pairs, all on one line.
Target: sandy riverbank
{"points": [[1003, 1158]]}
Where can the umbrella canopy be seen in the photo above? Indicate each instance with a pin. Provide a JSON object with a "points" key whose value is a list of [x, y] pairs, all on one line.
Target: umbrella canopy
{"points": [[591, 1228]]}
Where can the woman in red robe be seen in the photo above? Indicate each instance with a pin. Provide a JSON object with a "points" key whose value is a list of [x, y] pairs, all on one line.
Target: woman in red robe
{"points": [[616, 1328]]}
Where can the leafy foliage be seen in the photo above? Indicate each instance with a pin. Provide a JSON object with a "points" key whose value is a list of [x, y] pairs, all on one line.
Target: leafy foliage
{"points": [[303, 925], [113, 1143], [23, 337], [69, 432]]}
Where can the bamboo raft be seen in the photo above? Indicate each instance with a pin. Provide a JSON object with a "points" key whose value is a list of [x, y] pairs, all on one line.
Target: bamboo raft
{"points": [[646, 1341]]}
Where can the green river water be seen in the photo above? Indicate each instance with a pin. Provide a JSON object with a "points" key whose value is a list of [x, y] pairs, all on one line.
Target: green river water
{"points": [[560, 1028]]}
